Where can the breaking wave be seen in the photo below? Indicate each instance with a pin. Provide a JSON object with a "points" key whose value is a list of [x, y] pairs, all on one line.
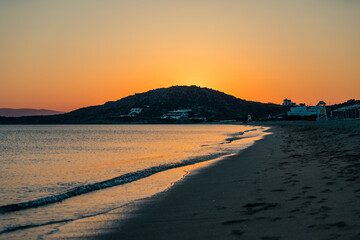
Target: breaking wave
{"points": [[122, 179]]}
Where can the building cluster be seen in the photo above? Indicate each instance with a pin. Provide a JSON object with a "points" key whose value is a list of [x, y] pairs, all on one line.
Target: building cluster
{"points": [[177, 114], [301, 111], [317, 112], [133, 112]]}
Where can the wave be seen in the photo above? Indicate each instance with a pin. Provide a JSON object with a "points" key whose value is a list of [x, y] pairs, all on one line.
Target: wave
{"points": [[13, 229], [239, 135], [122, 179]]}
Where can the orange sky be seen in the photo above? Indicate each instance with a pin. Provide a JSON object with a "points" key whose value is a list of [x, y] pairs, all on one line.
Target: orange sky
{"points": [[63, 55]]}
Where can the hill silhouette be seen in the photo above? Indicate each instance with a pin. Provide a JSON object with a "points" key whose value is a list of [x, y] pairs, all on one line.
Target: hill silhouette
{"points": [[12, 112], [345, 104], [204, 103]]}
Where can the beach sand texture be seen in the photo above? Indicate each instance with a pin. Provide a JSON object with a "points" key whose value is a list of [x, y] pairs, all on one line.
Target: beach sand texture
{"points": [[302, 182]]}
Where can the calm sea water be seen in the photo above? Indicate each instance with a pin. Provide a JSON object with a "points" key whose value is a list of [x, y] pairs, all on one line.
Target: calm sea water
{"points": [[54, 175]]}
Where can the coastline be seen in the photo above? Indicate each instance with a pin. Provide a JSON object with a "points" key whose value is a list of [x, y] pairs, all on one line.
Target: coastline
{"points": [[300, 182]]}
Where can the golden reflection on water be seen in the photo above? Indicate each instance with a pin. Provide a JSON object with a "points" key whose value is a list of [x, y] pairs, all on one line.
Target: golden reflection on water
{"points": [[38, 161]]}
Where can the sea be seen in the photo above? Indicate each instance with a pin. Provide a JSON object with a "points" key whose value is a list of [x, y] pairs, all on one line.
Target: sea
{"points": [[53, 177]]}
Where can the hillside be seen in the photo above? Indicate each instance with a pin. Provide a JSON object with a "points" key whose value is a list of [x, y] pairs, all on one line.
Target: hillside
{"points": [[205, 104], [12, 112], [345, 104]]}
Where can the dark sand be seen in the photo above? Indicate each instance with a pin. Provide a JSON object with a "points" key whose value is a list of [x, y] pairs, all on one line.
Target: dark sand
{"points": [[302, 182]]}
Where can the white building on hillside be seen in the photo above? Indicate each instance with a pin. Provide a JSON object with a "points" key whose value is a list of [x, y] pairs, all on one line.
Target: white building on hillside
{"points": [[134, 112], [177, 114]]}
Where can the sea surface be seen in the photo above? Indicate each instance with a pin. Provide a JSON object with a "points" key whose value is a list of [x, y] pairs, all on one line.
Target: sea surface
{"points": [[54, 175]]}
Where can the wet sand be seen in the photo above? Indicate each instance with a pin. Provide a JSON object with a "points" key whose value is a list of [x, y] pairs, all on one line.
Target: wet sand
{"points": [[301, 182]]}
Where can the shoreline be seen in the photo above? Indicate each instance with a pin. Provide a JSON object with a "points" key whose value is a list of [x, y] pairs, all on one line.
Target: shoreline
{"points": [[90, 205], [289, 185], [175, 196]]}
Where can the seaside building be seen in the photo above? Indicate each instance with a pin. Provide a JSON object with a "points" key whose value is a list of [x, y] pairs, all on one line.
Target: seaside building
{"points": [[288, 102], [317, 112], [349, 112], [302, 111]]}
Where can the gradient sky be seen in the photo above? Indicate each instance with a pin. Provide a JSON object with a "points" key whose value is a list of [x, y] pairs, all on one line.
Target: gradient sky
{"points": [[63, 55]]}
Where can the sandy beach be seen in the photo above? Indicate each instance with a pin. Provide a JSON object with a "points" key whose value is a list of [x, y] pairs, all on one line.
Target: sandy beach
{"points": [[301, 182]]}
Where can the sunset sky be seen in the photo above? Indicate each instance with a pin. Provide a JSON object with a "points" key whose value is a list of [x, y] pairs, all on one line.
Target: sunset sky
{"points": [[63, 55]]}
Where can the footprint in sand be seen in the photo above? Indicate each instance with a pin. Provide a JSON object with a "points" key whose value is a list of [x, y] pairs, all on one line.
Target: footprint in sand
{"points": [[339, 225], [322, 200], [236, 221], [278, 190], [294, 198], [237, 232], [326, 191], [330, 183], [296, 210], [292, 181], [252, 208], [352, 179], [306, 204], [283, 163], [320, 210]]}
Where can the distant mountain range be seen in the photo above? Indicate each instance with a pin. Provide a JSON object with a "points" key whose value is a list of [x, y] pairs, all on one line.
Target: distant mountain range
{"points": [[12, 112], [177, 104]]}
